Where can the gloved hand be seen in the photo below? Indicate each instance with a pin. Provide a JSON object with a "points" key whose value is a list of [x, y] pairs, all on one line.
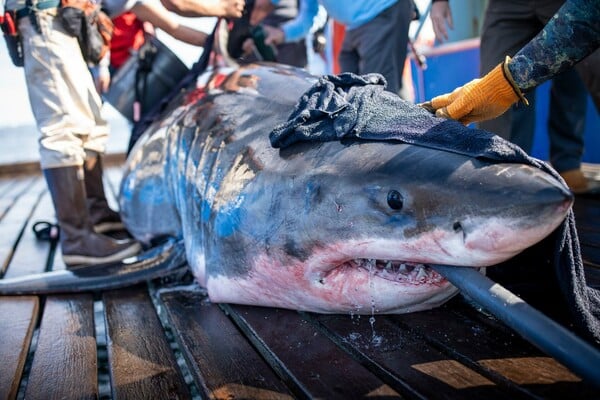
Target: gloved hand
{"points": [[481, 99]]}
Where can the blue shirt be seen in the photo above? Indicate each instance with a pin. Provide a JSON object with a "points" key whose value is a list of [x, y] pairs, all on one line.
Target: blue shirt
{"points": [[351, 13]]}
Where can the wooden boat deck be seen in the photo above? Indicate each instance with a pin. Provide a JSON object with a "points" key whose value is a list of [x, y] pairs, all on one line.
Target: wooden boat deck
{"points": [[165, 340]]}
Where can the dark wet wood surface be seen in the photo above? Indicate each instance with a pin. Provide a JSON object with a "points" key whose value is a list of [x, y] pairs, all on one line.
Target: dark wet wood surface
{"points": [[18, 317], [223, 362], [164, 340], [65, 360], [142, 365]]}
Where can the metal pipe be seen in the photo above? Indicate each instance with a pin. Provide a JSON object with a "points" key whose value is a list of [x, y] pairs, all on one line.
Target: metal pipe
{"points": [[422, 21], [549, 336]]}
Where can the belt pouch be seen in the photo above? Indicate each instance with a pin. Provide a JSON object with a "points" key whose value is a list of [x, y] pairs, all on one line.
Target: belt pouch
{"points": [[12, 38]]}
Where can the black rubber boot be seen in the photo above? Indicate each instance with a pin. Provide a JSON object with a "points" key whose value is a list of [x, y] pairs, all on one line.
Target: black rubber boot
{"points": [[80, 244], [102, 216]]}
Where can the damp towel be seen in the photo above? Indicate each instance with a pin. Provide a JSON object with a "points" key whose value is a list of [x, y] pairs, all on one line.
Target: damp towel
{"points": [[349, 106]]}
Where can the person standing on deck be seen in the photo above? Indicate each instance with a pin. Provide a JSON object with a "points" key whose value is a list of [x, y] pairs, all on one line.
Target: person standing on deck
{"points": [[73, 135], [376, 37], [509, 24]]}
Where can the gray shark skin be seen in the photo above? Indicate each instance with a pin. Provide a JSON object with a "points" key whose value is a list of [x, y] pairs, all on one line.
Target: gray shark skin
{"points": [[342, 226]]}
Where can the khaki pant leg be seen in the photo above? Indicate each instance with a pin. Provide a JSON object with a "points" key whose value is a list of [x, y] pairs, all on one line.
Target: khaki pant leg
{"points": [[61, 90]]}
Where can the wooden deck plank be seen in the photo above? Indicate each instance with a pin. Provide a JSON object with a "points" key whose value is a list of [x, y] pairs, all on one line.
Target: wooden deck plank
{"points": [[587, 210], [5, 187], [223, 363], [590, 256], [19, 328], [409, 363], [298, 348], [480, 340], [31, 254], [592, 276], [142, 365], [14, 223], [64, 364], [587, 218], [589, 237], [12, 191], [588, 233], [17, 322]]}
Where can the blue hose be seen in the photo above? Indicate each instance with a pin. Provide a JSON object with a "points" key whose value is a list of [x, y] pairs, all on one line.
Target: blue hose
{"points": [[550, 337]]}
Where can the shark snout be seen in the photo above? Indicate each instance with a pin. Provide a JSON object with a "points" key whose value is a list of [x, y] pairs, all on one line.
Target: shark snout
{"points": [[566, 202], [513, 221], [555, 193], [531, 195]]}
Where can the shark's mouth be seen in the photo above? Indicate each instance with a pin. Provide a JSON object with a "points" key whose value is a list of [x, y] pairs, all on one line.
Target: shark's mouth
{"points": [[403, 272]]}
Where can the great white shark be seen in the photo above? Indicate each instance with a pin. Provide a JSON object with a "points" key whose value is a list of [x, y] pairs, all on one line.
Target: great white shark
{"points": [[337, 226], [340, 226]]}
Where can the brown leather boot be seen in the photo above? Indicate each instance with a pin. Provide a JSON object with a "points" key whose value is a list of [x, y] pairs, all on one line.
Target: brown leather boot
{"points": [[102, 216], [578, 183], [79, 243]]}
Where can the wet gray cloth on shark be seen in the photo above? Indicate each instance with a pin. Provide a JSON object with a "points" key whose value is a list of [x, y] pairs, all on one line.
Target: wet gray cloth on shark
{"points": [[351, 107]]}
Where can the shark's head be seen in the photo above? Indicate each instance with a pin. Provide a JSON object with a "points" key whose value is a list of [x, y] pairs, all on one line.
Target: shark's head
{"points": [[356, 230]]}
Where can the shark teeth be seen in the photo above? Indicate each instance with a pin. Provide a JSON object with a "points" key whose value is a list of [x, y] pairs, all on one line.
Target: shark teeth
{"points": [[400, 271]]}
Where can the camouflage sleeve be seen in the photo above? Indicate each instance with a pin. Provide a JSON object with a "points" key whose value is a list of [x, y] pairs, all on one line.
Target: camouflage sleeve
{"points": [[571, 34]]}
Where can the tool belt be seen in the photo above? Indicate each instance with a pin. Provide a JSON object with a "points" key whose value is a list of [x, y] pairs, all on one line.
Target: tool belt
{"points": [[40, 5], [93, 29], [82, 19], [10, 29], [12, 38]]}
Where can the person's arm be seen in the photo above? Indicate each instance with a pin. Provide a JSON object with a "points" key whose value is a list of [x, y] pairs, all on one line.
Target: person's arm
{"points": [[101, 74], [295, 29], [159, 17], [205, 8], [261, 9], [441, 15], [572, 34]]}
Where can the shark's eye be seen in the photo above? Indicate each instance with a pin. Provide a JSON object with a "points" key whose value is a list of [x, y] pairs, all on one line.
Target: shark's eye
{"points": [[395, 200]]}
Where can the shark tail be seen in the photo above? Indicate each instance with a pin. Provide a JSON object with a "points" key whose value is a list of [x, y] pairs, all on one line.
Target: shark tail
{"points": [[164, 259]]}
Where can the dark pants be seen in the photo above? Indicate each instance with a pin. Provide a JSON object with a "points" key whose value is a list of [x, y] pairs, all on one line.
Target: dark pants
{"points": [[508, 26], [589, 69], [379, 45], [293, 54]]}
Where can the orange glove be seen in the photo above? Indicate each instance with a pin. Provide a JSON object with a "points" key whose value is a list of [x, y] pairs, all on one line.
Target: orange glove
{"points": [[480, 99]]}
